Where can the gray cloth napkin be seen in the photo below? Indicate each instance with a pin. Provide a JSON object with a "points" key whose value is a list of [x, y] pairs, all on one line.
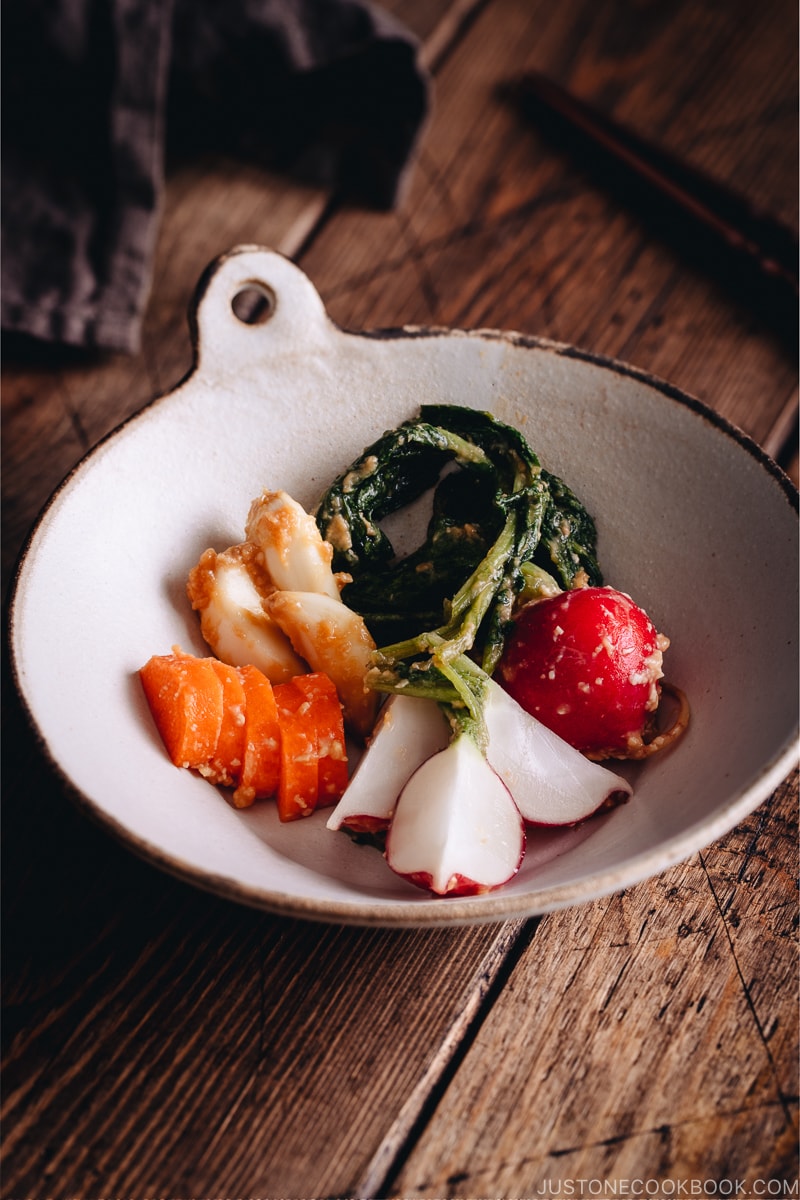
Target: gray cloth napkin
{"points": [[100, 94]]}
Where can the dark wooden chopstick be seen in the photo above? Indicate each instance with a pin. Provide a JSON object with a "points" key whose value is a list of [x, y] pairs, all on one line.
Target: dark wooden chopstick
{"points": [[748, 234]]}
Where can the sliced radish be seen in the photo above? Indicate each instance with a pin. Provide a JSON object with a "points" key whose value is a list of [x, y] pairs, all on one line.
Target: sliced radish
{"points": [[551, 782], [456, 830], [408, 731]]}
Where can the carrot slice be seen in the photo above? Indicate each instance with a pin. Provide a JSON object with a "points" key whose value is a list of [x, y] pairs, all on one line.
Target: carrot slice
{"points": [[261, 759], [225, 766], [297, 789], [326, 713], [185, 697]]}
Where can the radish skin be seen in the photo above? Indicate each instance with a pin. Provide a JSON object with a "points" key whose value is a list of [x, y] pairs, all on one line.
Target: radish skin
{"points": [[456, 829]]}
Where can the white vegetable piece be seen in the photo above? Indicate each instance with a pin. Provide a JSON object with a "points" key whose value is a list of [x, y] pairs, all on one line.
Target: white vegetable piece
{"points": [[296, 557], [456, 829], [334, 639], [224, 589], [407, 732], [551, 782]]}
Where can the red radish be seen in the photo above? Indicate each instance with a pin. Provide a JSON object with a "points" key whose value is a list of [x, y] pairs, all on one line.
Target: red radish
{"points": [[408, 731], [586, 664], [456, 829]]}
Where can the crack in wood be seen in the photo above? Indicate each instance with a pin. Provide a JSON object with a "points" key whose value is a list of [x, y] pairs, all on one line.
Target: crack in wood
{"points": [[615, 984], [427, 286], [437, 180], [73, 416], [663, 1131], [746, 990], [761, 816], [476, 227], [651, 310]]}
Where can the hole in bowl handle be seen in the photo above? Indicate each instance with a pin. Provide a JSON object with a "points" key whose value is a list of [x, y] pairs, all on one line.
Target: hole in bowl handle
{"points": [[254, 304], [250, 298]]}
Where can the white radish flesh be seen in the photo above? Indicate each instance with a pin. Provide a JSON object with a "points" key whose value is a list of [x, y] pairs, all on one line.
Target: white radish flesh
{"points": [[551, 782], [407, 732], [456, 829]]}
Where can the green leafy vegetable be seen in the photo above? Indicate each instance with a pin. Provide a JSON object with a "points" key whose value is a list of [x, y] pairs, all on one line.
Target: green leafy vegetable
{"points": [[500, 525], [390, 473], [398, 597], [568, 535]]}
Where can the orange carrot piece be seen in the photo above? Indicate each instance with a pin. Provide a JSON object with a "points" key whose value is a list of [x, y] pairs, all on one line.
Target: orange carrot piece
{"points": [[225, 767], [261, 760], [185, 697], [326, 713], [297, 789]]}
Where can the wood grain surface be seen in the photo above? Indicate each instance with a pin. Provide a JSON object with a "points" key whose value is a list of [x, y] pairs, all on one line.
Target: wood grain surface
{"points": [[161, 1042]]}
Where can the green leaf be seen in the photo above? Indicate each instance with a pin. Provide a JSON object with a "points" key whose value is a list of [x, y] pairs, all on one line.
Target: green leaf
{"points": [[499, 522]]}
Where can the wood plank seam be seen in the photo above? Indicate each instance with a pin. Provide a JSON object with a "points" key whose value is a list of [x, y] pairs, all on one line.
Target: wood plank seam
{"points": [[781, 442], [400, 1139], [451, 29]]}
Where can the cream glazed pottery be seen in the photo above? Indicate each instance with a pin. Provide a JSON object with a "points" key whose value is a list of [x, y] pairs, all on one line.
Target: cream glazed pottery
{"points": [[694, 522]]}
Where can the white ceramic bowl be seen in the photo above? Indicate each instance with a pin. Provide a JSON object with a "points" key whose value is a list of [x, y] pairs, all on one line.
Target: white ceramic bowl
{"points": [[694, 522]]}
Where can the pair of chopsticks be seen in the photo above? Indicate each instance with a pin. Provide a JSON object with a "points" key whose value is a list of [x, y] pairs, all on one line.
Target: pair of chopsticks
{"points": [[736, 240]]}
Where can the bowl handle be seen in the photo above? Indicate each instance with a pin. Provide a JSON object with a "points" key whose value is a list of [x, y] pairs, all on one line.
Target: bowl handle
{"points": [[249, 300]]}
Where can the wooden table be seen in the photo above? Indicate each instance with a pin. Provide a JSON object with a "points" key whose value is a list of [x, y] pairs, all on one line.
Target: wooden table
{"points": [[161, 1042]]}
